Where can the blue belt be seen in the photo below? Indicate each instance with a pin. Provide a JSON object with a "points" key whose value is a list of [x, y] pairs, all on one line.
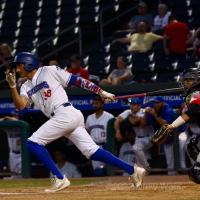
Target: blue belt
{"points": [[65, 105], [16, 152], [142, 136], [101, 144]]}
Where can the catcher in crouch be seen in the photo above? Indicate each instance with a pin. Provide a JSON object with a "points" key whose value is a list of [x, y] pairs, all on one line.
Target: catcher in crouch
{"points": [[190, 80]]}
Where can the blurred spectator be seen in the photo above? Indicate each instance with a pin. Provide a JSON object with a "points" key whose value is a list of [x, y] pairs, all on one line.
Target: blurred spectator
{"points": [[158, 115], [5, 53], [76, 67], [14, 143], [53, 62], [178, 35], [142, 41], [196, 43], [126, 151], [142, 16], [68, 169], [96, 124], [161, 20], [135, 109], [126, 154], [5, 57], [142, 132], [183, 135], [118, 76]]}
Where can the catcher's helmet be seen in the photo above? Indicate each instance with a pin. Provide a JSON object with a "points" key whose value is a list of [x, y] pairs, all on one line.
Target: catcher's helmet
{"points": [[194, 173], [30, 61], [191, 73]]}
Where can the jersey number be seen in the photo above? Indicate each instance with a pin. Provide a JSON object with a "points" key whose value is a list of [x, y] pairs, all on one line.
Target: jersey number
{"points": [[47, 93]]}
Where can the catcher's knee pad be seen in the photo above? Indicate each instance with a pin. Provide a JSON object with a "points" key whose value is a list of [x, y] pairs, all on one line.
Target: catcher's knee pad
{"points": [[194, 173], [193, 147]]}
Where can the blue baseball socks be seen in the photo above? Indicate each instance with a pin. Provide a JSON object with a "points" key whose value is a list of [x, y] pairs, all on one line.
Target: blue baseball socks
{"points": [[42, 155], [106, 157], [102, 155]]}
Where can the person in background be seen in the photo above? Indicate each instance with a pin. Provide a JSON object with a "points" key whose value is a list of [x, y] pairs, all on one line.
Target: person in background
{"points": [[126, 152], [96, 125], [53, 62], [178, 35], [142, 16], [67, 168], [14, 143], [157, 115], [76, 67], [135, 110], [143, 132], [141, 41], [118, 76], [161, 20], [5, 59], [196, 44]]}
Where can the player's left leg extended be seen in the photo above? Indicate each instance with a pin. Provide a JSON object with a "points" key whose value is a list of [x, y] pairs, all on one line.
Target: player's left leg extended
{"points": [[53, 129]]}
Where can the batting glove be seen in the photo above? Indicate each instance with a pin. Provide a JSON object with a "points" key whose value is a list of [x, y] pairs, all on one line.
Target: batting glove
{"points": [[107, 96], [11, 78]]}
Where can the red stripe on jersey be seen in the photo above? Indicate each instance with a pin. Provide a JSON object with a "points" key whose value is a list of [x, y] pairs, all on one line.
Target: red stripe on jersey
{"points": [[196, 101]]}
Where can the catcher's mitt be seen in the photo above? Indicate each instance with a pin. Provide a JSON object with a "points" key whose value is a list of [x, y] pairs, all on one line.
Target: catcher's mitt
{"points": [[161, 135]]}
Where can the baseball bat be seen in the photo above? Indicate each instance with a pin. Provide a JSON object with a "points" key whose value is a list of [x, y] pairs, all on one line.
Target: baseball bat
{"points": [[153, 93]]}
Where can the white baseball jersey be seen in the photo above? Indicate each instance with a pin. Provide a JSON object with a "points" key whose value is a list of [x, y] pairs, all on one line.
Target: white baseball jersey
{"points": [[126, 154], [140, 131], [128, 112], [46, 90], [14, 142], [97, 126]]}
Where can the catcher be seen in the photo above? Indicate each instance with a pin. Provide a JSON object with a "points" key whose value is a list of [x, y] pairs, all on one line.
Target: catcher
{"points": [[190, 81]]}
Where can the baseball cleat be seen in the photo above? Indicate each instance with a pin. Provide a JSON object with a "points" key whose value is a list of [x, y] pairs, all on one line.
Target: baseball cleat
{"points": [[58, 184], [137, 176]]}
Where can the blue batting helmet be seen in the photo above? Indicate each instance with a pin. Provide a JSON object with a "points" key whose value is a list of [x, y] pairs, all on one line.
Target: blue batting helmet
{"points": [[30, 61]]}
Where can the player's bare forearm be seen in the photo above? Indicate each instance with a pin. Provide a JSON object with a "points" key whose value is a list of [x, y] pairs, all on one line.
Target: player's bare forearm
{"points": [[123, 40], [160, 120], [123, 78], [19, 101], [117, 123]]}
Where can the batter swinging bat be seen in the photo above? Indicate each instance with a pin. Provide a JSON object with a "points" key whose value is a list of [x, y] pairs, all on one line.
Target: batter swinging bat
{"points": [[153, 93]]}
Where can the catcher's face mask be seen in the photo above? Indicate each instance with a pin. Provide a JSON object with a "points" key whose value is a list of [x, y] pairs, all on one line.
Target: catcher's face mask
{"points": [[188, 83], [189, 77]]}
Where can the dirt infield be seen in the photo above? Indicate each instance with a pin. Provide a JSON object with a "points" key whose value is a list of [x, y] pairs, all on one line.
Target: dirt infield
{"points": [[112, 188]]}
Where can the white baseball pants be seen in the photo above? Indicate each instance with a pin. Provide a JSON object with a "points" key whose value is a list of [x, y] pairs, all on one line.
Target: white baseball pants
{"points": [[67, 122]]}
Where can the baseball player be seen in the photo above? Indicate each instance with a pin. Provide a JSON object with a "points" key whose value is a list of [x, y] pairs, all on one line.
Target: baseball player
{"points": [[157, 115], [14, 143], [96, 125], [190, 81], [143, 140], [45, 88], [126, 150]]}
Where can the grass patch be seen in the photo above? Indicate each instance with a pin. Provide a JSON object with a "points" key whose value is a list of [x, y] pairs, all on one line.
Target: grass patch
{"points": [[26, 183]]}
